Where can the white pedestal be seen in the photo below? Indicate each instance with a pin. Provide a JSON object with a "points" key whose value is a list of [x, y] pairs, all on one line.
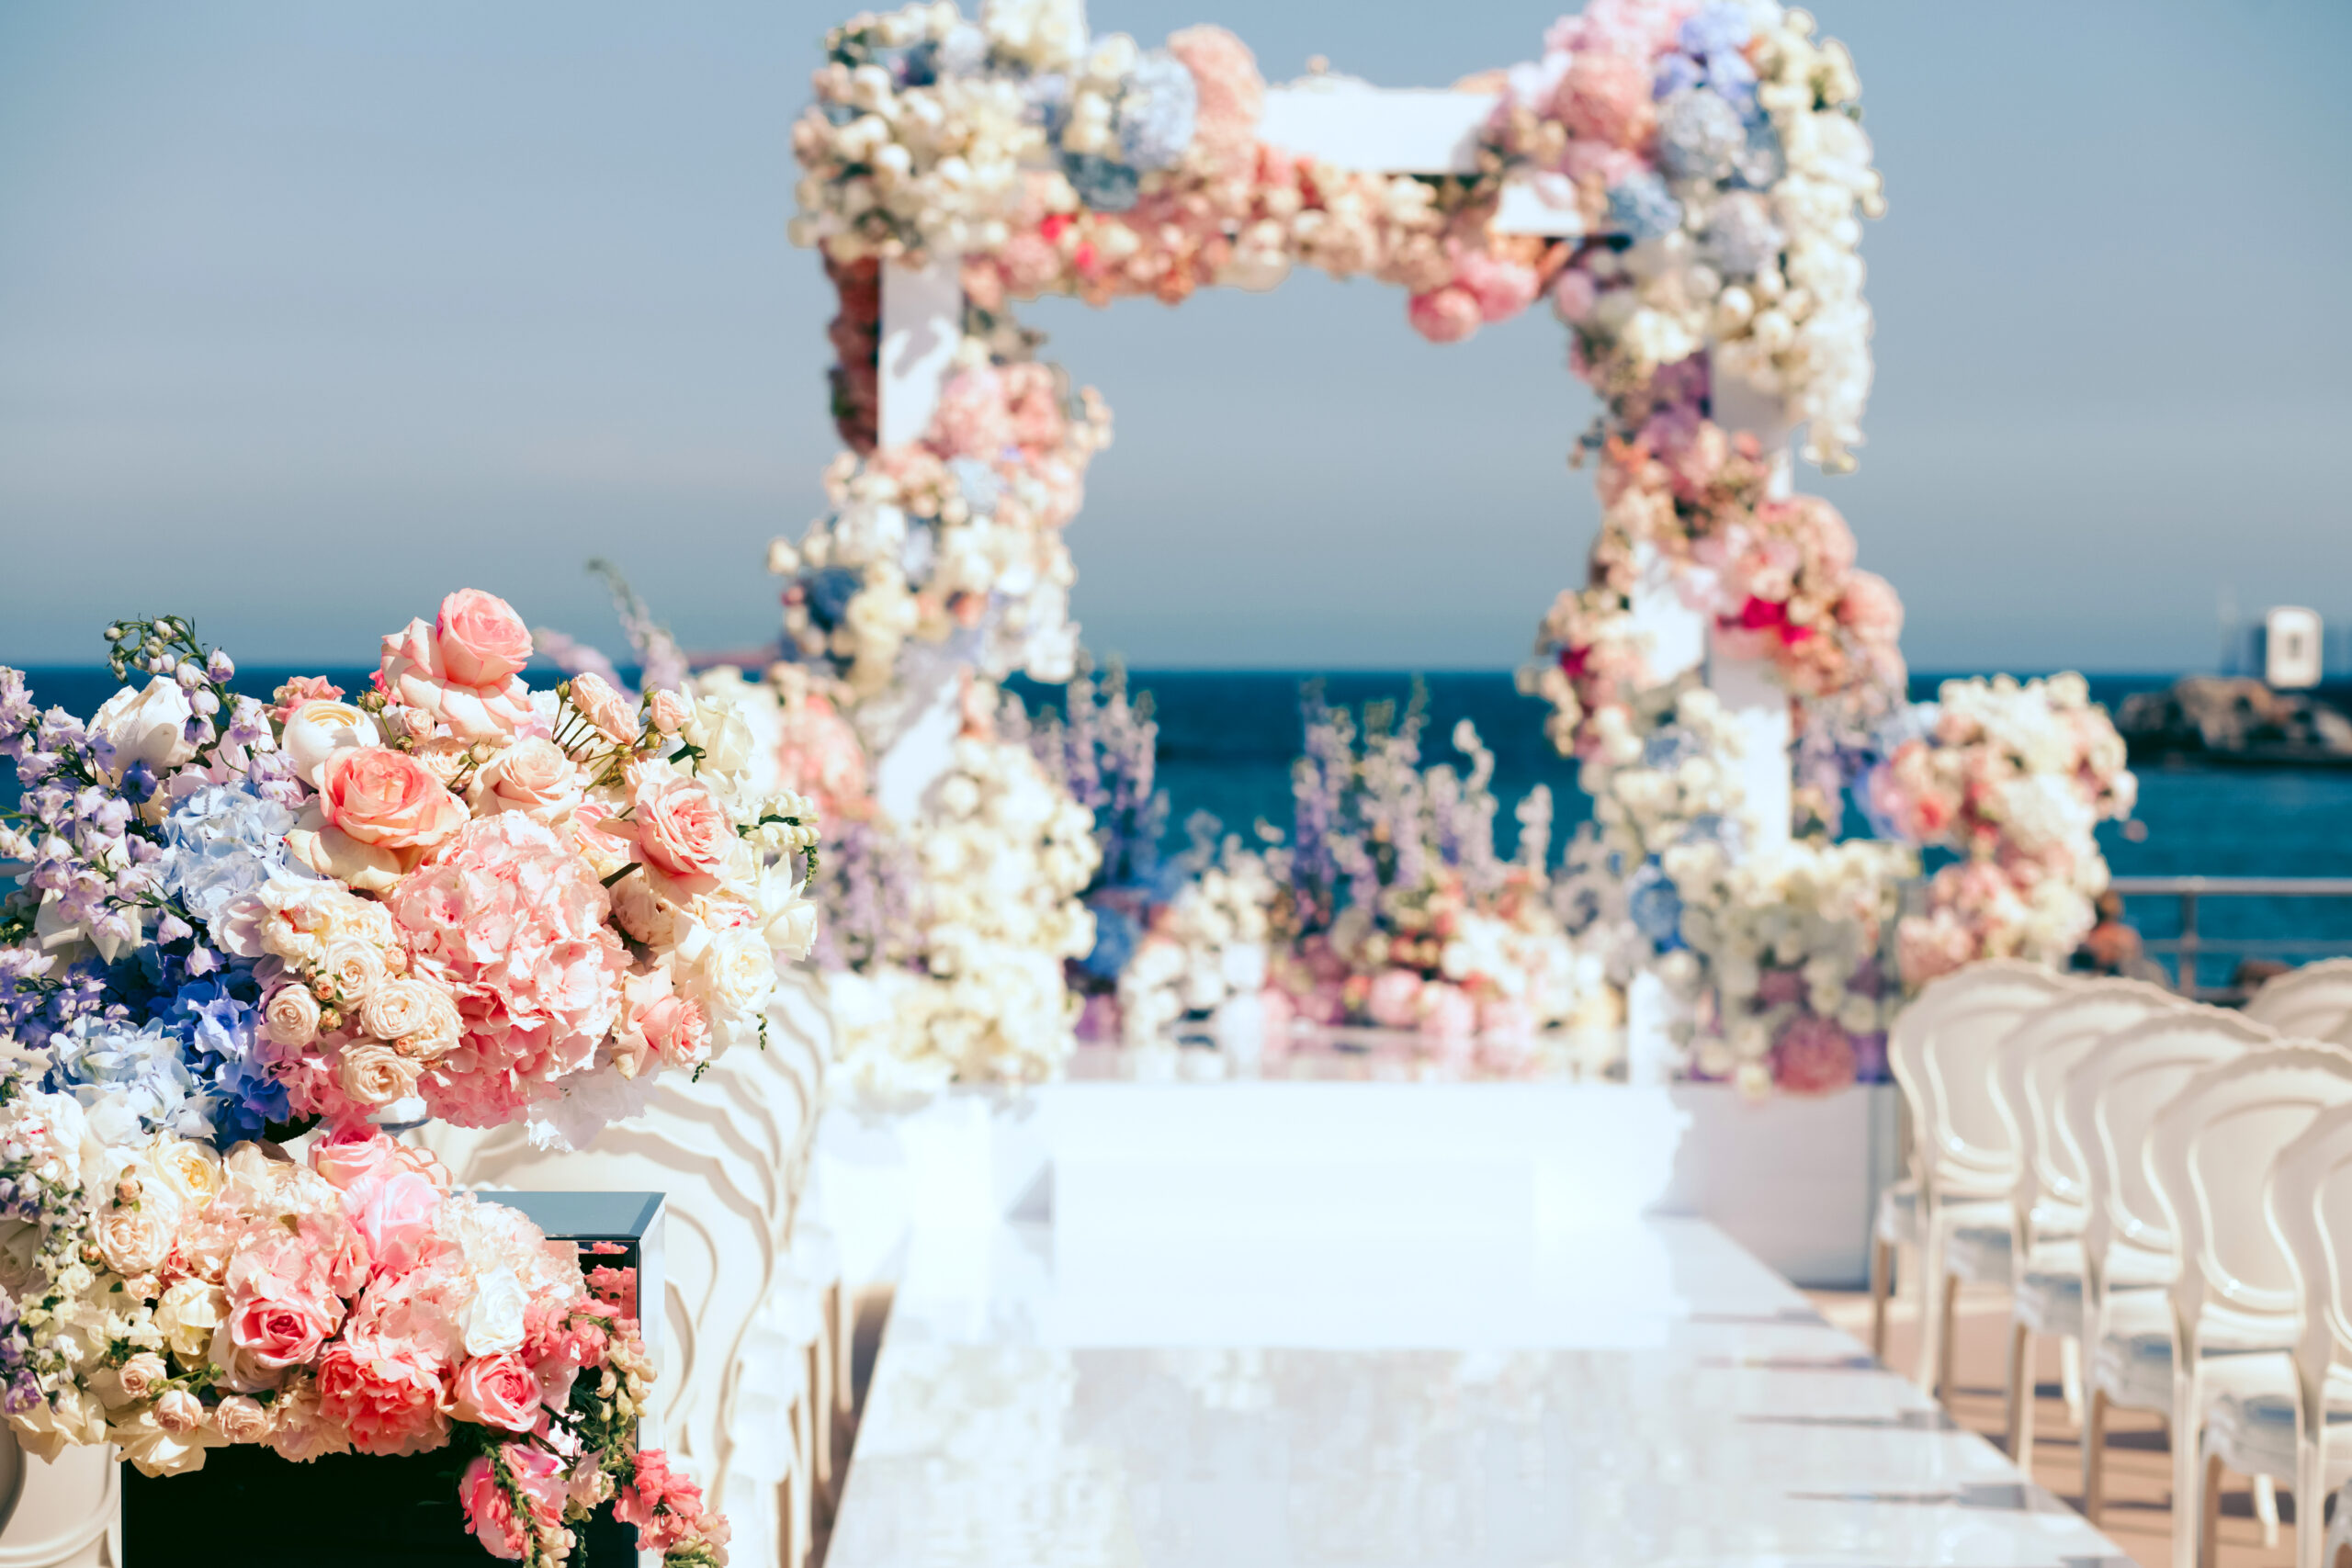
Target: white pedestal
{"points": [[922, 323], [1757, 705]]}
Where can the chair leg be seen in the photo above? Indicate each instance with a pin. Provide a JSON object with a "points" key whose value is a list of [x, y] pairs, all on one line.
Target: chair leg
{"points": [[2070, 1380], [1931, 1317], [2095, 1458], [1948, 1344], [2209, 1534], [2311, 1496], [2266, 1510], [2186, 1493], [1881, 1284], [2020, 1424]]}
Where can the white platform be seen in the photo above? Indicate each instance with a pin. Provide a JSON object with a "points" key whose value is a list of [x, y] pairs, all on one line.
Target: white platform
{"points": [[1639, 1394], [1793, 1181]]}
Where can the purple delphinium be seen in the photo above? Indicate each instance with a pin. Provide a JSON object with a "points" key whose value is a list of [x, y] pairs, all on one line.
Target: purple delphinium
{"points": [[1105, 747], [866, 891]]}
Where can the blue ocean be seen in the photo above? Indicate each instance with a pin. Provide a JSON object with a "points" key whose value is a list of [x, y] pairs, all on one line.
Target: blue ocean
{"points": [[1226, 740]]}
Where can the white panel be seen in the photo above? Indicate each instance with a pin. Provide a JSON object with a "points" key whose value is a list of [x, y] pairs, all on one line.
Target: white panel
{"points": [[1530, 207], [1352, 125], [1676, 631], [2292, 647], [1739, 405], [922, 320], [1758, 704], [918, 753], [1651, 1013]]}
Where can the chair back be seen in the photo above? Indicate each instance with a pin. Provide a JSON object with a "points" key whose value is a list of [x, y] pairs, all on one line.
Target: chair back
{"points": [[2309, 1204], [2112, 1097], [2313, 1002], [2210, 1154], [1942, 1051], [2030, 1074]]}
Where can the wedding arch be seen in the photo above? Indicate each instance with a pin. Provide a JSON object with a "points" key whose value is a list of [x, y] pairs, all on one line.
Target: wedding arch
{"points": [[1684, 183]]}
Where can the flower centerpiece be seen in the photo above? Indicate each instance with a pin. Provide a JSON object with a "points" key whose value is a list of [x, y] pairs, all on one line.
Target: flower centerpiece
{"points": [[174, 1300], [452, 897]]}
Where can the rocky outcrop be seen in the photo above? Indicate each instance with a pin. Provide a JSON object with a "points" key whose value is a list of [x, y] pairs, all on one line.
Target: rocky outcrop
{"points": [[2234, 717]]}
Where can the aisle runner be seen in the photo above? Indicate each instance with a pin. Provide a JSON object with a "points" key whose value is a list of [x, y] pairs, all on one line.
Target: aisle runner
{"points": [[1645, 1394]]}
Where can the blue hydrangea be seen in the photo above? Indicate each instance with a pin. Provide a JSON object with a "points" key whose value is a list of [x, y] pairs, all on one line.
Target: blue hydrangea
{"points": [[220, 1026], [1642, 208], [1044, 100], [1741, 239], [131, 1081], [1100, 183], [1656, 908], [1761, 163], [1157, 107], [1719, 28], [1699, 136], [1116, 931], [981, 489], [1669, 747], [220, 843], [830, 591]]}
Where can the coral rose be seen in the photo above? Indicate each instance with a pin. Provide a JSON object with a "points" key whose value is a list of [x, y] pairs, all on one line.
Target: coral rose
{"points": [[386, 1391], [373, 794]]}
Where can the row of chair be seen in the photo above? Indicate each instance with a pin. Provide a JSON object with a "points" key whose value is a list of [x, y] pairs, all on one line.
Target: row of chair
{"points": [[2160, 1185]]}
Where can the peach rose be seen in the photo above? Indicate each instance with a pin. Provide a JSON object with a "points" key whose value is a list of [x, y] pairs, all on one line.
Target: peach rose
{"points": [[606, 708], [291, 1016], [497, 1390], [397, 1008], [141, 1375], [531, 776], [683, 831], [242, 1419], [462, 671], [658, 1025], [375, 796], [178, 1412], [373, 1074], [669, 712]]}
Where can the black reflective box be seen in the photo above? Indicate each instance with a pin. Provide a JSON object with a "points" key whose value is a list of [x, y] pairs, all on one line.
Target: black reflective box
{"points": [[248, 1508]]}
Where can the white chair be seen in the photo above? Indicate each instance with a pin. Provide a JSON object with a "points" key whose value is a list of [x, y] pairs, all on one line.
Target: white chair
{"points": [[1963, 1160], [2210, 1154], [2313, 1002], [2111, 1099], [2302, 1436], [2048, 1203], [61, 1513]]}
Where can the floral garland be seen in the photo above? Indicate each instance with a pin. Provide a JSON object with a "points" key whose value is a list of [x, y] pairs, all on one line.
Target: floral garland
{"points": [[2014, 778], [455, 895], [174, 1300]]}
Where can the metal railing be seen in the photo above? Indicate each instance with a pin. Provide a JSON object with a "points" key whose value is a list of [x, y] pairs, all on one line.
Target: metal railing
{"points": [[2192, 943]]}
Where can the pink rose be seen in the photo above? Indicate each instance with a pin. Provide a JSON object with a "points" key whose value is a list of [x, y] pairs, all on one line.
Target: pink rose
{"points": [[1813, 1056], [1503, 288], [280, 1328], [178, 1411], [395, 1210], [1447, 1012], [1394, 1001], [1574, 296], [243, 1419], [1444, 315], [605, 707], [462, 671], [497, 1390], [351, 1153], [482, 641], [659, 1025], [683, 832], [377, 796], [669, 712]]}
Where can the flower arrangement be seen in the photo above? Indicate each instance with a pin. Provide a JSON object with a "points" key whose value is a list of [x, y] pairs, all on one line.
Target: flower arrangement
{"points": [[453, 896], [955, 539], [171, 1299], [2013, 777], [1206, 947], [956, 930]]}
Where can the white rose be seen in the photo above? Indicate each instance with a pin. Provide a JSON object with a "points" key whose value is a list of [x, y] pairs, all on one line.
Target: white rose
{"points": [[495, 1319], [187, 1315], [156, 1449], [741, 971], [317, 730], [146, 726]]}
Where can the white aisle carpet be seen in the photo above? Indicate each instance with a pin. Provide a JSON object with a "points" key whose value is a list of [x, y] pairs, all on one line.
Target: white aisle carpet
{"points": [[1641, 1394]]}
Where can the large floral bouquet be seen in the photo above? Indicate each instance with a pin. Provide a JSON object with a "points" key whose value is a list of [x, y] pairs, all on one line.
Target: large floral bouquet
{"points": [[453, 896], [170, 1300], [2013, 777]]}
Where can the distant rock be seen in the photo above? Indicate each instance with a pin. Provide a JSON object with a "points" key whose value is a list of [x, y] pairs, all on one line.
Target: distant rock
{"points": [[2234, 718]]}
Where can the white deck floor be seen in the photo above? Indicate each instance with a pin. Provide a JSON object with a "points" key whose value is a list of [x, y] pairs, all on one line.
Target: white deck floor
{"points": [[1642, 1394]]}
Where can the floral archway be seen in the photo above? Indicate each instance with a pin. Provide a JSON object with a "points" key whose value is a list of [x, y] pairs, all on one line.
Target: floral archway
{"points": [[1685, 185]]}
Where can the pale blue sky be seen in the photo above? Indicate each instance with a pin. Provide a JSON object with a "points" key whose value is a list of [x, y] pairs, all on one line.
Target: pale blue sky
{"points": [[307, 312]]}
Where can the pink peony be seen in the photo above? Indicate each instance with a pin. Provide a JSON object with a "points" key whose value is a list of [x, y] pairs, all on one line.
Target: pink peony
{"points": [[1574, 296], [386, 1391], [1813, 1056], [1444, 315], [281, 1306], [1447, 1012], [395, 1209], [683, 832], [464, 668], [514, 923], [1607, 99], [818, 754], [1230, 93], [972, 421], [496, 1391], [657, 1024]]}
